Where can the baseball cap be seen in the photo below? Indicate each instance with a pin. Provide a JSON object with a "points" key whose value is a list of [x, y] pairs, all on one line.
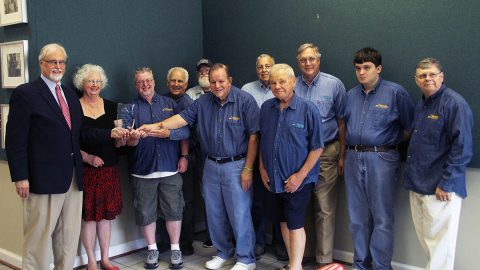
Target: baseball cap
{"points": [[205, 62]]}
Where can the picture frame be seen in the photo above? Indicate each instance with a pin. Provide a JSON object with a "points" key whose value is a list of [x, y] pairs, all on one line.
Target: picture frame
{"points": [[14, 63], [13, 12], [4, 109]]}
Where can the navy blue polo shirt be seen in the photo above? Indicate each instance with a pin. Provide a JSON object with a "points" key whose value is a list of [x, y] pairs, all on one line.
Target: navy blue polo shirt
{"points": [[153, 154], [379, 118], [328, 94], [440, 144], [287, 137], [224, 130]]}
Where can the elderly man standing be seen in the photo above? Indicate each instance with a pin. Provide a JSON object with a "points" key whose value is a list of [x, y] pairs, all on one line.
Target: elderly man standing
{"points": [[154, 167], [378, 114], [439, 151], [43, 150], [227, 120], [290, 146], [177, 81], [203, 68], [328, 94], [260, 90]]}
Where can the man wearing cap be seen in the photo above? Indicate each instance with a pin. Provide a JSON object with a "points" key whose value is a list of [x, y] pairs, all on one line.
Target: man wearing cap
{"points": [[203, 68]]}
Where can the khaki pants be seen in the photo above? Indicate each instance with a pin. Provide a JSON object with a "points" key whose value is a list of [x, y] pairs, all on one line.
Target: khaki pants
{"points": [[52, 222], [436, 224], [325, 203]]}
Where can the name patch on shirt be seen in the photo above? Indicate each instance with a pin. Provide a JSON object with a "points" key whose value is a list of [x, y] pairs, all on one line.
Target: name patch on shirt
{"points": [[433, 116], [298, 125], [382, 106], [167, 110], [234, 118]]}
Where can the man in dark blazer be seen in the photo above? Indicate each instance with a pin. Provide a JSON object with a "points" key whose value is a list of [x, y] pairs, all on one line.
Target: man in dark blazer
{"points": [[43, 149]]}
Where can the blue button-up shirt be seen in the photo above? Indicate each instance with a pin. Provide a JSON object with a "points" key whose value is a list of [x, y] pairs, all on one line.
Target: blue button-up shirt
{"points": [[328, 94], [259, 92], [153, 154], [287, 136], [224, 130], [379, 118], [183, 101], [440, 145]]}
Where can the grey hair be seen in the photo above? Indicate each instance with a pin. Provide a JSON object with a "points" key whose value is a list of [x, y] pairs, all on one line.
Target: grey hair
{"points": [[85, 71], [49, 49], [184, 71], [428, 62], [264, 55], [282, 69], [143, 70], [305, 46]]}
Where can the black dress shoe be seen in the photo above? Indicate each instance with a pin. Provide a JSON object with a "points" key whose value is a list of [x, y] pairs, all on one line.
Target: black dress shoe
{"points": [[281, 253], [259, 251], [187, 249], [208, 243]]}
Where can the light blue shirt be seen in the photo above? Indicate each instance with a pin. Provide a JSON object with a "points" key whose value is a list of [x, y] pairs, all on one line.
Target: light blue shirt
{"points": [[259, 92], [328, 94]]}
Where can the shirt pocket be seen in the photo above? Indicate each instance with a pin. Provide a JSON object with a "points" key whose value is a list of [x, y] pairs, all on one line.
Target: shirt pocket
{"points": [[380, 117], [325, 107]]}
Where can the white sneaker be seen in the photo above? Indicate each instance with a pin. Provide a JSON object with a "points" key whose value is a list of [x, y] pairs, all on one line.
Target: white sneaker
{"points": [[242, 266], [216, 263]]}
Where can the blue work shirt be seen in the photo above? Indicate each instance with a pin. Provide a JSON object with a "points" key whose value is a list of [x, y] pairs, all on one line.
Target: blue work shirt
{"points": [[286, 138], [259, 92], [379, 118], [183, 101], [223, 130], [440, 144], [328, 94], [153, 154]]}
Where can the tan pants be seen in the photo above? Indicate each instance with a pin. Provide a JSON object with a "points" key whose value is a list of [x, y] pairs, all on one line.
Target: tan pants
{"points": [[325, 203], [52, 222], [436, 224]]}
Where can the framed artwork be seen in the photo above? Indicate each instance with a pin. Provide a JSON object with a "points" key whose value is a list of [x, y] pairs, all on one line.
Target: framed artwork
{"points": [[4, 108], [13, 12], [14, 63]]}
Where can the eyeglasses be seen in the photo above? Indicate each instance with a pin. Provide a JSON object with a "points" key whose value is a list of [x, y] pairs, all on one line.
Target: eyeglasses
{"points": [[94, 81], [308, 59], [55, 62], [147, 81], [425, 75]]}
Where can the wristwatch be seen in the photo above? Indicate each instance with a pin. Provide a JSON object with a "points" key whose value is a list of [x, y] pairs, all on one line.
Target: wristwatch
{"points": [[184, 156]]}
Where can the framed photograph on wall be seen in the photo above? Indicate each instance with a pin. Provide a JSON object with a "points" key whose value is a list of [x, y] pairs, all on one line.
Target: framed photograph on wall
{"points": [[4, 108], [14, 63], [13, 12]]}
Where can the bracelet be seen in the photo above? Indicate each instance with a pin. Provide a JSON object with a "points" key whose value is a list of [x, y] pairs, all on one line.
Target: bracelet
{"points": [[184, 156], [247, 169]]}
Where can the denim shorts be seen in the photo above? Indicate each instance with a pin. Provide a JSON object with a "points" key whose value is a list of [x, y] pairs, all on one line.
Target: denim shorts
{"points": [[157, 197], [291, 207]]}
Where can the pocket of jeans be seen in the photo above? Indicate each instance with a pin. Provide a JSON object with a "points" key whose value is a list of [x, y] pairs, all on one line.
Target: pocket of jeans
{"points": [[391, 156]]}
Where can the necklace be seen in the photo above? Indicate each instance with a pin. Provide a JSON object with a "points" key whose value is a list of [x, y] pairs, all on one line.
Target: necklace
{"points": [[92, 107]]}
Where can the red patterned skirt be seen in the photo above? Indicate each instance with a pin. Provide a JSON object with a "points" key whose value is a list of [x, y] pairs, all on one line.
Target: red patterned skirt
{"points": [[102, 198]]}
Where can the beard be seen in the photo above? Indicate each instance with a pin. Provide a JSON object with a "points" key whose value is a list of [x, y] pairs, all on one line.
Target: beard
{"points": [[55, 77], [204, 82]]}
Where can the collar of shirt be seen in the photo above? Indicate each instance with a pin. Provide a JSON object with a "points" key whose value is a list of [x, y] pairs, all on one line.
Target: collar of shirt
{"points": [[154, 98], [434, 96], [315, 80], [293, 103], [262, 86], [51, 86], [374, 90], [230, 97]]}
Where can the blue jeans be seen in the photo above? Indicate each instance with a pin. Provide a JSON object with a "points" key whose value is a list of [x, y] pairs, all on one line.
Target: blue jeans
{"points": [[371, 180], [228, 208]]}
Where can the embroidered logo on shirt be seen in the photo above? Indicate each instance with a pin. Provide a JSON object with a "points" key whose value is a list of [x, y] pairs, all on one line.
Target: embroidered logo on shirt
{"points": [[433, 116], [234, 118], [167, 110], [298, 125], [381, 106]]}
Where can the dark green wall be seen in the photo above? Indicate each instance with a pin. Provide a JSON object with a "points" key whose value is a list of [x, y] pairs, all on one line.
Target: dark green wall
{"points": [[236, 32], [119, 35]]}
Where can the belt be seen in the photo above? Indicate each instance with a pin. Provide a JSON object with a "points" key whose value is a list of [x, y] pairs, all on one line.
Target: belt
{"points": [[227, 159], [364, 148]]}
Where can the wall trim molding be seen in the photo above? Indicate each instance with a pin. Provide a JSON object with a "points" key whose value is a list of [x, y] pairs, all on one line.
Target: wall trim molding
{"points": [[11, 258], [114, 251], [347, 256]]}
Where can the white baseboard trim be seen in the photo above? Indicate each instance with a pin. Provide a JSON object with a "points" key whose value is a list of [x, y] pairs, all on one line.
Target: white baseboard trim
{"points": [[11, 258], [346, 256], [114, 251]]}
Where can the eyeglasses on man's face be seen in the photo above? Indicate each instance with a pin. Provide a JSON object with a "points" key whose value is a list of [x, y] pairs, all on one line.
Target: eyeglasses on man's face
{"points": [[55, 62], [306, 60], [147, 81], [431, 75]]}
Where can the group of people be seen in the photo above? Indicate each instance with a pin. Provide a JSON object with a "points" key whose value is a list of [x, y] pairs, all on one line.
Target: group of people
{"points": [[270, 147]]}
